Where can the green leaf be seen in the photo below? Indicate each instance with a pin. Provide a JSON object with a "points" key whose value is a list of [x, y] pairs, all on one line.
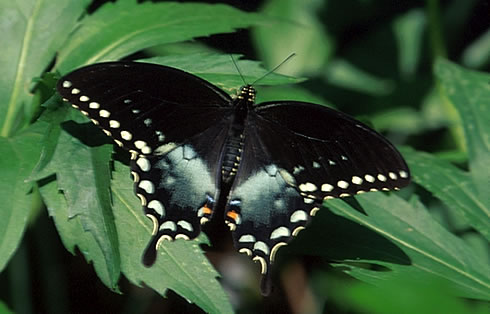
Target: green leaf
{"points": [[180, 266], [34, 31], [400, 237], [404, 294], [4, 309], [346, 75], [409, 33], [469, 92], [431, 248], [452, 186], [83, 176], [19, 156], [477, 54], [220, 70], [118, 29], [295, 28], [73, 234]]}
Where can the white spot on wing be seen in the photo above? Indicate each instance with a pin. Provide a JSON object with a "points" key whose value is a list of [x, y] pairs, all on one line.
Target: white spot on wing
{"points": [[299, 215], [94, 105], [403, 174], [168, 225], [369, 178], [67, 84], [342, 184], [308, 200], [114, 124], [147, 186], [356, 180], [75, 91], [185, 225], [247, 238], [126, 135], [157, 206], [307, 187], [327, 187], [84, 98], [280, 232], [143, 164], [104, 113], [140, 144], [381, 177], [393, 176]]}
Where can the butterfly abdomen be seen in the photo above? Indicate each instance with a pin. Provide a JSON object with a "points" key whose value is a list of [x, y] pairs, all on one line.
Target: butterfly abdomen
{"points": [[233, 146], [231, 153]]}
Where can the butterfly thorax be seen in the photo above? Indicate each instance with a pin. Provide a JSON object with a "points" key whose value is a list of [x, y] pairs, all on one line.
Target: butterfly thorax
{"points": [[233, 146]]}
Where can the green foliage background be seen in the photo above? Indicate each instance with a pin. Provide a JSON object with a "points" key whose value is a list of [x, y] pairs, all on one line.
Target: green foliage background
{"points": [[423, 249]]}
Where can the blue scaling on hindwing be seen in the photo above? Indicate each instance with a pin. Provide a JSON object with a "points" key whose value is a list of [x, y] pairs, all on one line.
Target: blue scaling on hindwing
{"points": [[172, 187], [267, 211]]}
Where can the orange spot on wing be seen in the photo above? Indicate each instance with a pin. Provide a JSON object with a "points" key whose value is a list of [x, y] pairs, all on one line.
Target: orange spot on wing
{"points": [[232, 214], [207, 210]]}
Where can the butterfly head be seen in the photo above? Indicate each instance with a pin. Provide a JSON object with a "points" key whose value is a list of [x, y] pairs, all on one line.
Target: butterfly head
{"points": [[247, 93]]}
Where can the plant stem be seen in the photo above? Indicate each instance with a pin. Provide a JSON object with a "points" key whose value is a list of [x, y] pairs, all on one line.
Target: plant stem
{"points": [[436, 37]]}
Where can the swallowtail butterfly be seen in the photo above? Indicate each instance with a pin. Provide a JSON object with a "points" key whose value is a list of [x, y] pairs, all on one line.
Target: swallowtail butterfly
{"points": [[194, 149]]}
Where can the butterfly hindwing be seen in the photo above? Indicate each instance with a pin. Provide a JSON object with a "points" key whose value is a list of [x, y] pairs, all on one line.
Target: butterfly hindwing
{"points": [[178, 189]]}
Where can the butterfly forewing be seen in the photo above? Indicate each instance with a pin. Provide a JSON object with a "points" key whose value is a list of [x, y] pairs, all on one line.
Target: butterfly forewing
{"points": [[144, 106]]}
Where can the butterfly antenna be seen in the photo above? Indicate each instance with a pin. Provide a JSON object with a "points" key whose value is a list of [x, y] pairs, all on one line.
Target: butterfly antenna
{"points": [[275, 68], [238, 69]]}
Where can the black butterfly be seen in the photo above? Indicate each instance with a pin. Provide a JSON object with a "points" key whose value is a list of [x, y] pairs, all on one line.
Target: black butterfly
{"points": [[194, 149]]}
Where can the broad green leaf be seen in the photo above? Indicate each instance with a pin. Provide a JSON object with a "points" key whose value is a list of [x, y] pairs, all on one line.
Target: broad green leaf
{"points": [[32, 31], [399, 236], [19, 156], [344, 74], [296, 29], [451, 185], [405, 294], [409, 33], [119, 29], [430, 248], [73, 234], [180, 266], [4, 309], [469, 92], [477, 54], [220, 70], [83, 176]]}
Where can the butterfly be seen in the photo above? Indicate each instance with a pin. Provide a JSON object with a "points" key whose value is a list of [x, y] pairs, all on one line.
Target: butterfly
{"points": [[196, 151]]}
